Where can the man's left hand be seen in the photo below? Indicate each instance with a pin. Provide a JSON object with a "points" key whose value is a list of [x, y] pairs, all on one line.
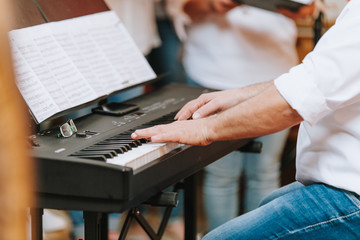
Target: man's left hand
{"points": [[191, 132]]}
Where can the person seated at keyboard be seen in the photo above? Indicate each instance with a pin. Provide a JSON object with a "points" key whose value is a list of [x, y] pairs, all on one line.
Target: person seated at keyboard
{"points": [[268, 41], [323, 94]]}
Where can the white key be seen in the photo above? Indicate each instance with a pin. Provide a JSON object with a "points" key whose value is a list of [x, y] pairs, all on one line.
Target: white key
{"points": [[141, 155]]}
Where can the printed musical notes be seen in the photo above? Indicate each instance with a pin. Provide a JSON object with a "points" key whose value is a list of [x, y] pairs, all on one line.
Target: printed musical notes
{"points": [[60, 65]]}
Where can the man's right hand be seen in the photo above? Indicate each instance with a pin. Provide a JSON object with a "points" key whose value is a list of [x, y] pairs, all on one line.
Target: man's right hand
{"points": [[209, 104]]}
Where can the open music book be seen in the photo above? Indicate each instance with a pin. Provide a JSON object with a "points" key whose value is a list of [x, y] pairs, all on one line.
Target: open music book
{"points": [[61, 65], [273, 5]]}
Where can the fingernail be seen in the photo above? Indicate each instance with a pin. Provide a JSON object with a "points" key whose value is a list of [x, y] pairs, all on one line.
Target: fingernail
{"points": [[133, 135], [196, 115]]}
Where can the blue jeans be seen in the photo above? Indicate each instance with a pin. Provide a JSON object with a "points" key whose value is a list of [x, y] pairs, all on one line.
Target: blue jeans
{"points": [[222, 180], [298, 212]]}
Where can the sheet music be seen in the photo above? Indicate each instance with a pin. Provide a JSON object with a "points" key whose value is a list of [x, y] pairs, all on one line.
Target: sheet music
{"points": [[32, 89], [126, 48], [66, 38], [64, 64]]}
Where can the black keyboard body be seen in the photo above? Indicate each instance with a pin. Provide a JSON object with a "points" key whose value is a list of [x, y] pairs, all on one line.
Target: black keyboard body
{"points": [[73, 183]]}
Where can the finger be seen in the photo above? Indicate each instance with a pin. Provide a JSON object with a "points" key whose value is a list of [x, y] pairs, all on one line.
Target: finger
{"points": [[180, 132], [165, 137], [187, 111], [206, 110], [145, 133], [160, 133]]}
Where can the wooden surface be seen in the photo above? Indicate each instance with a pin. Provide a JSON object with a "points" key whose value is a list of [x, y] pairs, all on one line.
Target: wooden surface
{"points": [[25, 14], [16, 169], [56, 10], [29, 13]]}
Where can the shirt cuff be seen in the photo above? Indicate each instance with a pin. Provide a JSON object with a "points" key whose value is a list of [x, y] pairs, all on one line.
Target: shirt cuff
{"points": [[300, 91]]}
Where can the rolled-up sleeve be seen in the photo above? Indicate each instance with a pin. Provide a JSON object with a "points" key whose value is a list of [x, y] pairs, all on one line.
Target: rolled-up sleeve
{"points": [[300, 91], [329, 76]]}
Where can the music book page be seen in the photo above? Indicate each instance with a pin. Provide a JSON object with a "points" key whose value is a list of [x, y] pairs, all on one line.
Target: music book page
{"points": [[60, 65]]}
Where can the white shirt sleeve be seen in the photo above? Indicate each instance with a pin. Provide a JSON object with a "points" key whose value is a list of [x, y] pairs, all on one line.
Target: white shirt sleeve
{"points": [[329, 77]]}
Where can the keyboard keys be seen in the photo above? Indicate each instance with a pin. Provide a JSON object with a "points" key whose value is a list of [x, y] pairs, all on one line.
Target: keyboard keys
{"points": [[122, 150]]}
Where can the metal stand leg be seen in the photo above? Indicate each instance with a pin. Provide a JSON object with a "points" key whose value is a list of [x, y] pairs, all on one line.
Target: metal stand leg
{"points": [[36, 223], [168, 200], [135, 213], [127, 224], [190, 207], [96, 226]]}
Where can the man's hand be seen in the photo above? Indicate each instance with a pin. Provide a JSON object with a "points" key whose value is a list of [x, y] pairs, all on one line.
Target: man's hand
{"points": [[199, 130], [191, 132], [209, 104], [263, 112]]}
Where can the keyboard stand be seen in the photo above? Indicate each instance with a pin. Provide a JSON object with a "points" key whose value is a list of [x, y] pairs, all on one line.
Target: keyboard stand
{"points": [[96, 223], [165, 199], [190, 213], [135, 213]]}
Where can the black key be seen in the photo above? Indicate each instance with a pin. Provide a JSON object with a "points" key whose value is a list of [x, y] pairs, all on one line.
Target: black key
{"points": [[107, 154], [133, 143], [124, 146], [105, 147], [93, 157], [143, 140], [120, 137]]}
